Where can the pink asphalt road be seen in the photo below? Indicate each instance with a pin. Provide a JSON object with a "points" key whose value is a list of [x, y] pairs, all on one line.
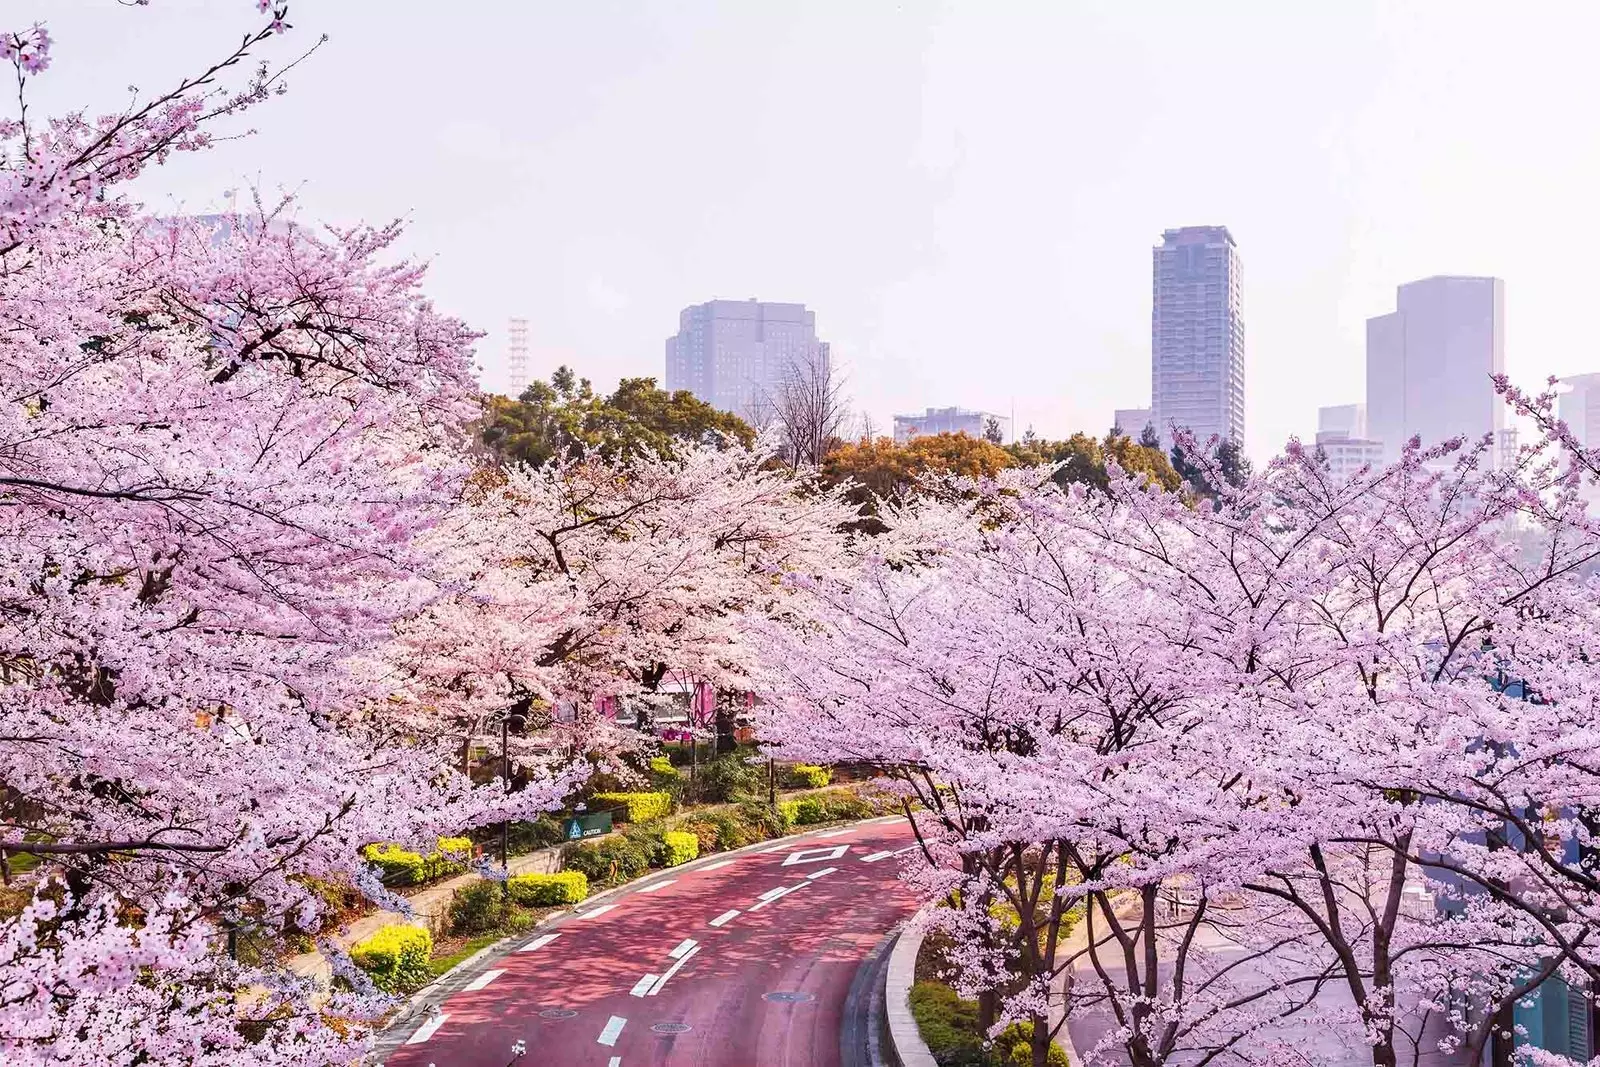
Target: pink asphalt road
{"points": [[740, 961]]}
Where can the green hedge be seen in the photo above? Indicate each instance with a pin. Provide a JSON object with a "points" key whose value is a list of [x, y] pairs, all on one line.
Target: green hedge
{"points": [[635, 807], [401, 866], [949, 1025], [810, 777], [681, 847], [610, 859], [395, 956], [661, 768], [547, 890]]}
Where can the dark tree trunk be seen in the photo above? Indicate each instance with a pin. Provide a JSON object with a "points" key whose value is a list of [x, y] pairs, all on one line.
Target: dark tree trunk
{"points": [[727, 722]]}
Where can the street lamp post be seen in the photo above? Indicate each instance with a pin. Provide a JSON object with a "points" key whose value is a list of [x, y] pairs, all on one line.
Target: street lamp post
{"points": [[772, 783]]}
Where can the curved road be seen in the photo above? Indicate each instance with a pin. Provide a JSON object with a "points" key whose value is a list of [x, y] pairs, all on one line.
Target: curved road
{"points": [[739, 960]]}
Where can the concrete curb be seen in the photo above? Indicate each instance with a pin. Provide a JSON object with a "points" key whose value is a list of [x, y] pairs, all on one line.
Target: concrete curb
{"points": [[905, 1042]]}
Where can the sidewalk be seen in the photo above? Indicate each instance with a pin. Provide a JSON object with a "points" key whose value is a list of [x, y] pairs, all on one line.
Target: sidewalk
{"points": [[430, 907]]}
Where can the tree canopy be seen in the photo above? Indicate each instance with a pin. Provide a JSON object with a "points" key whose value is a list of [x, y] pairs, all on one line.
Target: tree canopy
{"points": [[1084, 459], [566, 416]]}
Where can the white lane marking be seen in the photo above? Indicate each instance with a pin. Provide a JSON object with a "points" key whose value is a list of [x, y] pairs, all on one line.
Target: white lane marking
{"points": [[539, 942], [815, 855], [839, 833], [653, 886], [687, 956], [876, 856], [819, 874], [482, 980], [642, 985], [779, 848], [613, 1029], [601, 910], [903, 851], [717, 865], [683, 946], [725, 918], [426, 1030], [615, 1061], [772, 895]]}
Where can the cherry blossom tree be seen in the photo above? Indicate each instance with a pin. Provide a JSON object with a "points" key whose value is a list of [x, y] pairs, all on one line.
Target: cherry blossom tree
{"points": [[220, 448]]}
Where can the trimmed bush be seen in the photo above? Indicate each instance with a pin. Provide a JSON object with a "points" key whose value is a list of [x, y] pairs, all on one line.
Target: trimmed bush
{"points": [[609, 860], [810, 810], [789, 812], [680, 847], [395, 956], [477, 908], [635, 807], [1015, 1045], [808, 776], [548, 890], [949, 1025], [399, 866], [729, 777], [662, 767]]}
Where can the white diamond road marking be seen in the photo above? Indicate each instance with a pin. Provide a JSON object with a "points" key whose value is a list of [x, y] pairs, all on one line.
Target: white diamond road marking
{"points": [[685, 958], [725, 918], [717, 865], [683, 946], [819, 874], [643, 985], [482, 980], [426, 1030], [815, 855], [601, 910], [653, 886], [613, 1030], [539, 942]]}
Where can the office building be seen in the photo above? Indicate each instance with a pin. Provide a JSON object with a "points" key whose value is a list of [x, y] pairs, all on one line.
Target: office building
{"points": [[1197, 335], [734, 354], [1429, 363], [1349, 420], [1578, 405], [947, 420], [1342, 440], [1132, 421], [516, 357]]}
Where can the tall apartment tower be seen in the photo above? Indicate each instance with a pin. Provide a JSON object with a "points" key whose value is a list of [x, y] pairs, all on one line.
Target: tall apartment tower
{"points": [[516, 357], [1197, 335], [1429, 363], [734, 354]]}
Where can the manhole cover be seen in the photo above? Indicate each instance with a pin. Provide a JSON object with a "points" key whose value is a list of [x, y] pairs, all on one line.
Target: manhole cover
{"points": [[557, 1013], [788, 998], [671, 1028]]}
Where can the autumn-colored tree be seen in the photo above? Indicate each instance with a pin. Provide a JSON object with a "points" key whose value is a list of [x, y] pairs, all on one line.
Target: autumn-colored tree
{"points": [[565, 416], [883, 470]]}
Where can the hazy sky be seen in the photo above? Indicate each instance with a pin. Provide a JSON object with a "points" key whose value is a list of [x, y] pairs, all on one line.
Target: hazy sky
{"points": [[966, 194]]}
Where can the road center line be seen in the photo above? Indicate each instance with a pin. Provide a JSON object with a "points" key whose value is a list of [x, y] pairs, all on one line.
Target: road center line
{"points": [[613, 1030], [772, 895], [643, 985], [482, 980], [539, 942], [819, 874], [615, 1061], [601, 910], [653, 886], [717, 865], [725, 918], [426, 1030], [876, 856], [683, 946], [687, 956]]}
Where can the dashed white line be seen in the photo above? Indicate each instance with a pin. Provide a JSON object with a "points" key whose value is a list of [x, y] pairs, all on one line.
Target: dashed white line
{"points": [[683, 946], [643, 985], [779, 848], [653, 886], [482, 980], [819, 874], [717, 865], [876, 856], [685, 958], [615, 1061], [772, 895], [601, 910], [539, 942], [613, 1030], [725, 918], [426, 1030]]}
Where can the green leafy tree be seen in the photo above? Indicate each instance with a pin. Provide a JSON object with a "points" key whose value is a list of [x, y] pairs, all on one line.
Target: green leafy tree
{"points": [[566, 415]]}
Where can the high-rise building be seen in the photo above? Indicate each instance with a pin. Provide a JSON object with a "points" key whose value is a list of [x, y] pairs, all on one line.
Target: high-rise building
{"points": [[516, 357], [734, 354], [1342, 440], [1350, 420], [1132, 421], [1579, 407], [948, 420], [1197, 335], [1429, 363]]}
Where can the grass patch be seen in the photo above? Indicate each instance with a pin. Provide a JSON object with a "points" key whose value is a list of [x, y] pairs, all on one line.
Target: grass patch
{"points": [[456, 949]]}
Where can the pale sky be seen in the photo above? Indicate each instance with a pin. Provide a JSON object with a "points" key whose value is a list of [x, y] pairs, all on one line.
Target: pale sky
{"points": [[966, 193]]}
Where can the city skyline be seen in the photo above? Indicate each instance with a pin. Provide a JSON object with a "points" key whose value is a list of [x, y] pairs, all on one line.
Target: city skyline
{"points": [[1197, 336]]}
